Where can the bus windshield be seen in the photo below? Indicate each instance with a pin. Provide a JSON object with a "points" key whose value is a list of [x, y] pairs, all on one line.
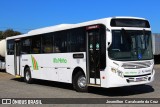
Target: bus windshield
{"points": [[131, 45]]}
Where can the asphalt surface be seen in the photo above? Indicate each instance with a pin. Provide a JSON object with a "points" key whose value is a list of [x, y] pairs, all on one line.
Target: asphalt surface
{"points": [[11, 87]]}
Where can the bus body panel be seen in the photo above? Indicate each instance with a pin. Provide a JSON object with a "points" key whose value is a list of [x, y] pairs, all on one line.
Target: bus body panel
{"points": [[114, 80], [10, 64], [54, 67]]}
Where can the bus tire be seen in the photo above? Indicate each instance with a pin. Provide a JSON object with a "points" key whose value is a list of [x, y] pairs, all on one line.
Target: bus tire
{"points": [[27, 76], [80, 82]]}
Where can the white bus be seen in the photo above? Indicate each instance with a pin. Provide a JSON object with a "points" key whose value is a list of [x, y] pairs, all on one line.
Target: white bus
{"points": [[109, 52]]}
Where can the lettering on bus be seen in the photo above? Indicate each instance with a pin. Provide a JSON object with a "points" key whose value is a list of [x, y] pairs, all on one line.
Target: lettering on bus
{"points": [[59, 60], [131, 73]]}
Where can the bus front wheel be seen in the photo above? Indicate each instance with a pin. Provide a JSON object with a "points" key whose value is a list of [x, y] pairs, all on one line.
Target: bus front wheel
{"points": [[80, 82], [27, 76]]}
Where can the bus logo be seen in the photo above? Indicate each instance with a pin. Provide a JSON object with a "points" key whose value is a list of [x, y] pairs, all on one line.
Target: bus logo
{"points": [[59, 60], [34, 63]]}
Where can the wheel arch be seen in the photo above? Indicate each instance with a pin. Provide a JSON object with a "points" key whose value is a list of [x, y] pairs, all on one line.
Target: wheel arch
{"points": [[26, 66], [76, 70]]}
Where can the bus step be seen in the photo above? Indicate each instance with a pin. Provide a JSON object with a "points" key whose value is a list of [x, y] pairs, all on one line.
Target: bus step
{"points": [[18, 76], [94, 85]]}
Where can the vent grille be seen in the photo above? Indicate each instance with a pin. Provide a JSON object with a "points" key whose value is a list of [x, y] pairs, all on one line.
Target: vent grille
{"points": [[136, 65]]}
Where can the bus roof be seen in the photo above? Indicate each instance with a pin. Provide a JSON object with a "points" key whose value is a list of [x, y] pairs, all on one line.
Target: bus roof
{"points": [[66, 26], [70, 26]]}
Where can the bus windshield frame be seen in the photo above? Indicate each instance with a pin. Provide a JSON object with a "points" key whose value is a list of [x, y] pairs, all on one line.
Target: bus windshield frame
{"points": [[131, 45]]}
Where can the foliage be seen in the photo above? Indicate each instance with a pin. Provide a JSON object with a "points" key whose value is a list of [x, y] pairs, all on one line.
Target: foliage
{"points": [[1, 37], [8, 33]]}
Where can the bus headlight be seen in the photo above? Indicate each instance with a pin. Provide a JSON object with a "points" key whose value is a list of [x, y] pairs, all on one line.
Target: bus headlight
{"points": [[113, 70], [120, 73]]}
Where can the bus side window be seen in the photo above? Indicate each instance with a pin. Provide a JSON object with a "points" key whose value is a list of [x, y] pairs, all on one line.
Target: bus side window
{"points": [[36, 45], [76, 40], [26, 43], [60, 43], [10, 47], [47, 43]]}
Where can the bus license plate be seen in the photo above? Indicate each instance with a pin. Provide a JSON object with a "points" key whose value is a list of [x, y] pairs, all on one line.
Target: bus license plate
{"points": [[140, 79]]}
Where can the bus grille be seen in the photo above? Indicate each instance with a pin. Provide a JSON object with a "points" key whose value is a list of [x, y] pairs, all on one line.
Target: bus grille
{"points": [[136, 65], [136, 75]]}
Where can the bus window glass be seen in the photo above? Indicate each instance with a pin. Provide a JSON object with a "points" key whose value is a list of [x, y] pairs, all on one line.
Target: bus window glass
{"points": [[47, 43], [10, 47], [76, 40], [36, 45], [60, 42], [130, 46], [26, 43]]}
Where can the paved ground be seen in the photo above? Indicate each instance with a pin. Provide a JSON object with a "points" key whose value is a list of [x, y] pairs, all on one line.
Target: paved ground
{"points": [[11, 87]]}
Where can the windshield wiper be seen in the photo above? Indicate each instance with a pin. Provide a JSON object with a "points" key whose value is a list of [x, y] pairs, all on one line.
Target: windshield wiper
{"points": [[123, 32], [144, 32]]}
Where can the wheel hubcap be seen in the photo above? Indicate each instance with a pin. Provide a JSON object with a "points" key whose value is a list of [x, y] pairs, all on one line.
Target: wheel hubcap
{"points": [[27, 76], [82, 82]]}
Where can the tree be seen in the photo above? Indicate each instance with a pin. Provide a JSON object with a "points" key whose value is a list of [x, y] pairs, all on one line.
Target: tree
{"points": [[8, 33], [1, 36]]}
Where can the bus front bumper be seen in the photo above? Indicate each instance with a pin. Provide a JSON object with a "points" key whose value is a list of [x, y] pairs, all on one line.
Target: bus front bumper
{"points": [[117, 81]]}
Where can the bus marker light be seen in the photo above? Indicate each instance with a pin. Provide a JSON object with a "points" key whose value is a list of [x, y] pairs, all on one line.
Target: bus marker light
{"points": [[92, 27]]}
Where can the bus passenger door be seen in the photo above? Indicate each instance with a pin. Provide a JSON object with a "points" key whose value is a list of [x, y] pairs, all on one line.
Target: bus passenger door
{"points": [[17, 57], [93, 54]]}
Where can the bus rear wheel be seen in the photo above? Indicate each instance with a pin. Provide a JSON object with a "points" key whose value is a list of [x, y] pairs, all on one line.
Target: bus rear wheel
{"points": [[27, 76], [80, 82]]}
